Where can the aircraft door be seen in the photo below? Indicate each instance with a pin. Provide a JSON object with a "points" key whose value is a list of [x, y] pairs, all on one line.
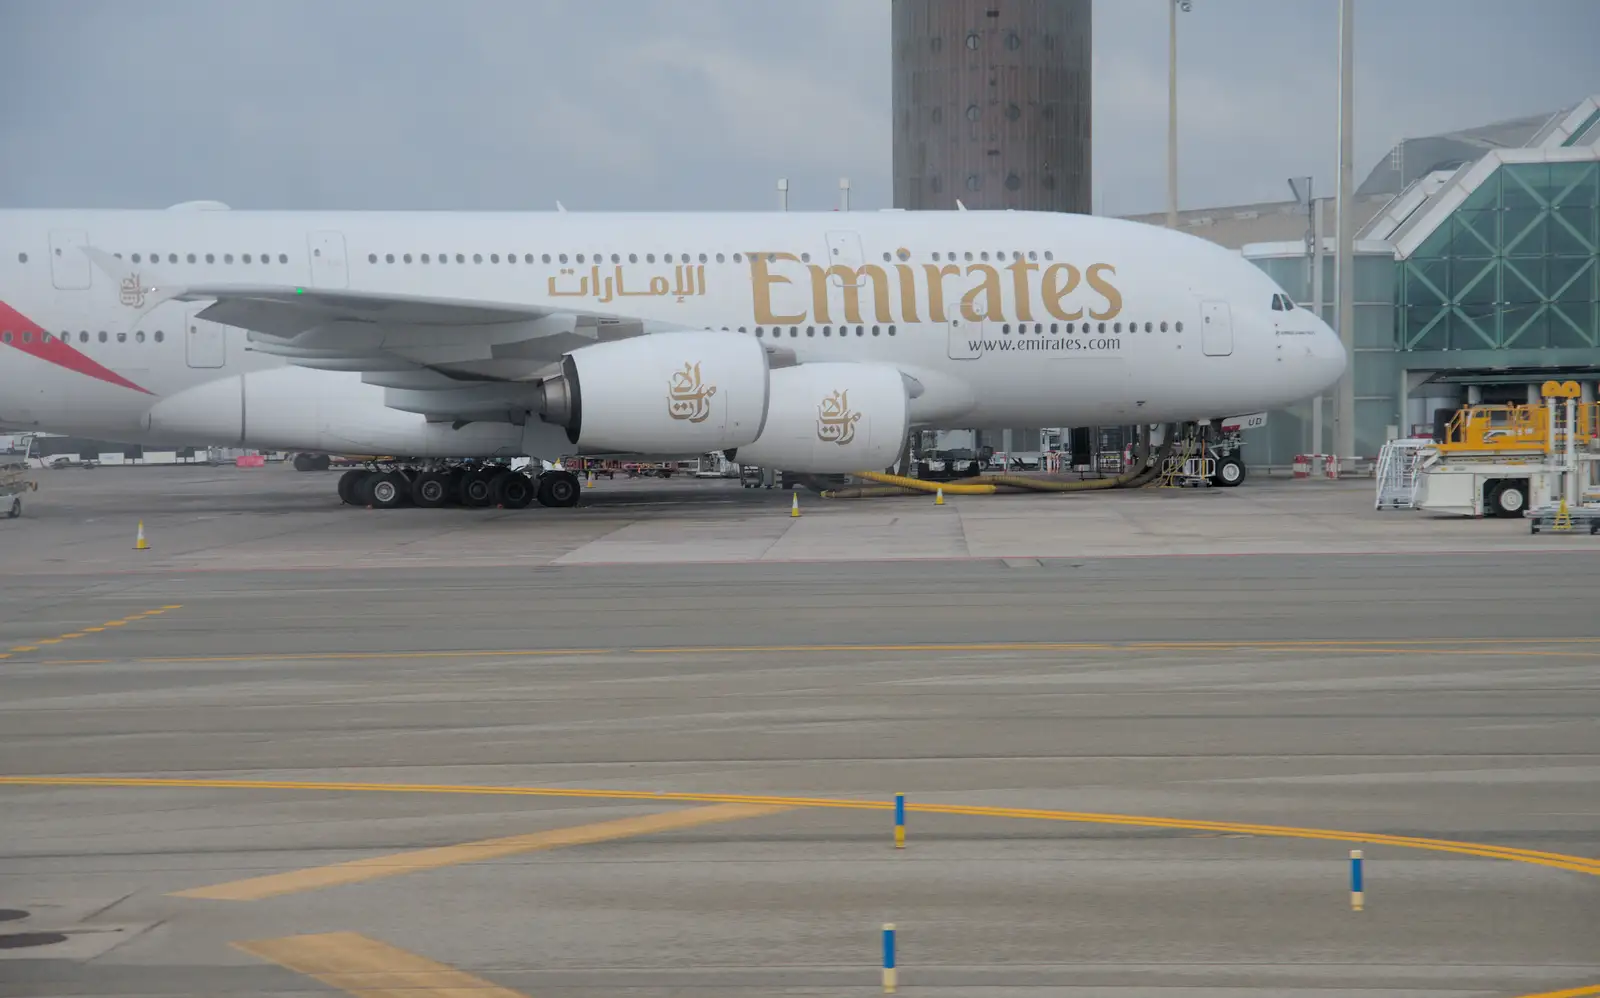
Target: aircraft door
{"points": [[205, 342], [963, 339], [1216, 329], [328, 267], [69, 268], [844, 249]]}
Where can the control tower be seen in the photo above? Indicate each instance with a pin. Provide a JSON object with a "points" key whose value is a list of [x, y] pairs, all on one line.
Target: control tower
{"points": [[992, 104]]}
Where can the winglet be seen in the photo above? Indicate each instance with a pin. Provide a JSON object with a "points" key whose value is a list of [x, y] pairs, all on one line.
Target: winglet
{"points": [[960, 206], [561, 207], [140, 288]]}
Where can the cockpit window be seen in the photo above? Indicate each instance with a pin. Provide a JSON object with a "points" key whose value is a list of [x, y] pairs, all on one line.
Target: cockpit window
{"points": [[1288, 305], [1277, 303]]}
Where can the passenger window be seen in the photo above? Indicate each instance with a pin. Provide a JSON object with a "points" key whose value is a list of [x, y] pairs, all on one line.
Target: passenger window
{"points": [[1178, 327]]}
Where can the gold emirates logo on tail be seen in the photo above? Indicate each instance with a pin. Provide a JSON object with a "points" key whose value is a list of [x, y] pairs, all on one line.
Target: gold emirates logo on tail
{"points": [[836, 424], [687, 397]]}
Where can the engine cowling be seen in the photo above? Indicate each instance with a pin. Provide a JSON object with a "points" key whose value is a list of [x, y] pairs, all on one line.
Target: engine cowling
{"points": [[832, 419], [666, 393], [293, 408]]}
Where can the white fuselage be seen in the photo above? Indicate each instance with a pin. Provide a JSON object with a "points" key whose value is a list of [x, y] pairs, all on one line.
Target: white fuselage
{"points": [[1003, 318]]}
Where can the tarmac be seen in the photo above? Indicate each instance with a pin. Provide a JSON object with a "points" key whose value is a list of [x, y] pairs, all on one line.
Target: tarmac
{"points": [[649, 746]]}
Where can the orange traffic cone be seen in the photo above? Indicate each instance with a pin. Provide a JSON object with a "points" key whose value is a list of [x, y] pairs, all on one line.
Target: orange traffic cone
{"points": [[139, 543]]}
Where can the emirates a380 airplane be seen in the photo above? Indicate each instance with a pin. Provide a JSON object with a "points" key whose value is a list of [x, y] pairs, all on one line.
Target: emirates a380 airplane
{"points": [[811, 342]]}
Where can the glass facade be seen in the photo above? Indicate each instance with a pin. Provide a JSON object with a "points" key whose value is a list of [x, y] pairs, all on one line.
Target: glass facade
{"points": [[1516, 266], [1376, 364]]}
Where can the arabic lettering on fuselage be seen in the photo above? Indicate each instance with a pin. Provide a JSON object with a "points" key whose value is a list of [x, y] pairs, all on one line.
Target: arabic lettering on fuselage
{"points": [[688, 281]]}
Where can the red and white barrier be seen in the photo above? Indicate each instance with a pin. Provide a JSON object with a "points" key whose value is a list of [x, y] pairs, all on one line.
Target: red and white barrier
{"points": [[1302, 466]]}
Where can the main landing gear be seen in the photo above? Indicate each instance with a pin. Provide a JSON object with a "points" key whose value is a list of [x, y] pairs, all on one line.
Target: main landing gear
{"points": [[476, 485]]}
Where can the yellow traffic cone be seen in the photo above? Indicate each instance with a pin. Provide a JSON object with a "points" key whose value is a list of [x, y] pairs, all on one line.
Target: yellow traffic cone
{"points": [[794, 507], [140, 544], [938, 500], [591, 480]]}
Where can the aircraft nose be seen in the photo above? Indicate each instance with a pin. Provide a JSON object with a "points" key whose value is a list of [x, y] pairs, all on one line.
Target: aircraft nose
{"points": [[1330, 356]]}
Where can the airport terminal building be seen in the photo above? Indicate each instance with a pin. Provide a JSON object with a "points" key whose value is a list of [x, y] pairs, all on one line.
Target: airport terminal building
{"points": [[1477, 274]]}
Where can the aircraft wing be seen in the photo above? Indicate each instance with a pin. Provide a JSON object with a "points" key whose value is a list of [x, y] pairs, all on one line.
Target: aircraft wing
{"points": [[447, 358]]}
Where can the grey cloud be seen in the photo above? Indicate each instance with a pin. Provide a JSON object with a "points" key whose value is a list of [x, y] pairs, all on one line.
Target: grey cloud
{"points": [[701, 105]]}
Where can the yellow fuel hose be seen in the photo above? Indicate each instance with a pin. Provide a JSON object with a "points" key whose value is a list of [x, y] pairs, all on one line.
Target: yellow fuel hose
{"points": [[918, 485], [896, 485]]}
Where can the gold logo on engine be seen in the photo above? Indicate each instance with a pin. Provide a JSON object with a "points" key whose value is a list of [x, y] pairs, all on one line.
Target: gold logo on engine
{"points": [[131, 292], [836, 424], [687, 397]]}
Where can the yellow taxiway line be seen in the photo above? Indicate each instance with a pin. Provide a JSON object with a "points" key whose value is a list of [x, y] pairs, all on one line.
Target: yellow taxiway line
{"points": [[1559, 861], [367, 968], [377, 867], [73, 635]]}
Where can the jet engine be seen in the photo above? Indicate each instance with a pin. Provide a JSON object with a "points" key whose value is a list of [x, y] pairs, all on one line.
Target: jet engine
{"points": [[667, 393], [832, 419]]}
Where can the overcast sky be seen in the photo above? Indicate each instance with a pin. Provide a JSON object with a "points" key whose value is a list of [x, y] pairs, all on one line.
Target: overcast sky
{"points": [[700, 104]]}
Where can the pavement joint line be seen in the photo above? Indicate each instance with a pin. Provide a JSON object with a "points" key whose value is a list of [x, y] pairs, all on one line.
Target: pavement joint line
{"points": [[1459, 646], [414, 861], [1553, 860], [367, 968]]}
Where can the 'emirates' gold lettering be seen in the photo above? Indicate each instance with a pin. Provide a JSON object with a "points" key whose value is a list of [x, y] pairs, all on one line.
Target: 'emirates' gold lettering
{"points": [[1112, 295], [980, 294], [1055, 292], [990, 289], [761, 282]]}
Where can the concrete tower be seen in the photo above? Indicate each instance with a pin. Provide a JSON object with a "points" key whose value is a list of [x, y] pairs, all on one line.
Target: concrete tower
{"points": [[992, 104]]}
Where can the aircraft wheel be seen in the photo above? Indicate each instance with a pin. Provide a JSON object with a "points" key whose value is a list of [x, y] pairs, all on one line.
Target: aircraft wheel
{"points": [[511, 490], [385, 490], [350, 486], [475, 488], [1230, 472], [431, 490], [305, 462], [16, 508], [558, 488]]}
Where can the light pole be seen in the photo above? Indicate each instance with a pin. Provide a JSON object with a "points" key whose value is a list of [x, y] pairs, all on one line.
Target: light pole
{"points": [[1172, 107], [1344, 264], [1302, 189]]}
